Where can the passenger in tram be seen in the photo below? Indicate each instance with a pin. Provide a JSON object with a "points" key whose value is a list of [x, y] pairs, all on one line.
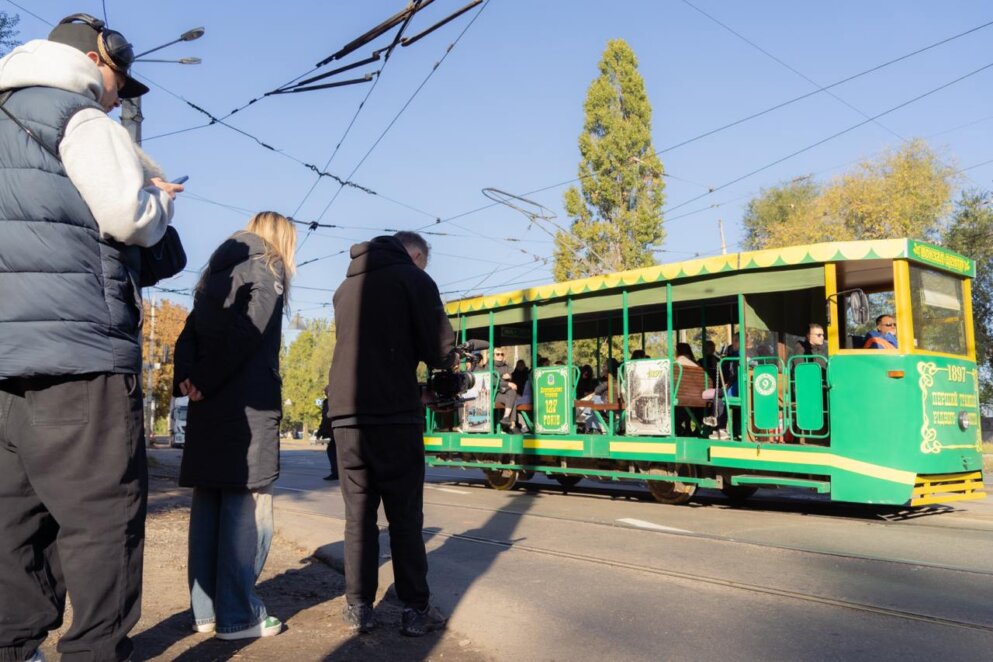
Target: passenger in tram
{"points": [[603, 393], [813, 343], [684, 420], [638, 354], [710, 360], [884, 335], [586, 382], [520, 375], [729, 377]]}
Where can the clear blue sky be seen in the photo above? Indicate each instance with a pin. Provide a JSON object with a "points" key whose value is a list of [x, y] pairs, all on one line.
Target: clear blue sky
{"points": [[504, 110]]}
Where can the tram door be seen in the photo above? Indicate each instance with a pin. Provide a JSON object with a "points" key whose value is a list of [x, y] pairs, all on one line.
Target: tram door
{"points": [[787, 390]]}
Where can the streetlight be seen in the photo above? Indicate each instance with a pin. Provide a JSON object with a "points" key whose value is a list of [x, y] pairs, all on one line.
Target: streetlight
{"points": [[131, 116]]}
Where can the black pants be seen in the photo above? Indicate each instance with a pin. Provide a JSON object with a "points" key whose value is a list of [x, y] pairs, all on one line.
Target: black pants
{"points": [[332, 455], [383, 463], [73, 494]]}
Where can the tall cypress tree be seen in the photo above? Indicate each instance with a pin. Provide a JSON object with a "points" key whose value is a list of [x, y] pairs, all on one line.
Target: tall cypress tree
{"points": [[617, 211]]}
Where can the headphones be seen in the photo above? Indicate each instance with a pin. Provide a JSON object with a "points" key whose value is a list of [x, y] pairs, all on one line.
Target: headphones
{"points": [[116, 51]]}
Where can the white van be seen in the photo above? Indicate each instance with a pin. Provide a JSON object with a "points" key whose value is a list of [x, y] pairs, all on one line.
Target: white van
{"points": [[177, 421]]}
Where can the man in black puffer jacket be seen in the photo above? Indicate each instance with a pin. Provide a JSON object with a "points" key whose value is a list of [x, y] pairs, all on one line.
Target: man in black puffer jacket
{"points": [[388, 318]]}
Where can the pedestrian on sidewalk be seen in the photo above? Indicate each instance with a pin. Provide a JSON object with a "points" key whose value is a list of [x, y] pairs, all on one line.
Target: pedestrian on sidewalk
{"points": [[325, 431], [82, 211], [388, 318], [227, 362]]}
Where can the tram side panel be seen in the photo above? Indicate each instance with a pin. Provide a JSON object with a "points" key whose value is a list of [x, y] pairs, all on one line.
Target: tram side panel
{"points": [[896, 418]]}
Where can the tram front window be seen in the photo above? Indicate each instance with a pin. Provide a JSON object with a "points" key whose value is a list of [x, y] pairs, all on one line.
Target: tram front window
{"points": [[939, 317]]}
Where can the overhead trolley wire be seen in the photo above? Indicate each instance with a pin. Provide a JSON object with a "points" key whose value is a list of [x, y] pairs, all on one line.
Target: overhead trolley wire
{"points": [[407, 104], [755, 115], [833, 136]]}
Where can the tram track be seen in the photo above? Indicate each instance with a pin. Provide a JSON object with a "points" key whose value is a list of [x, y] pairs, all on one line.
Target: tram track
{"points": [[862, 607], [522, 547]]}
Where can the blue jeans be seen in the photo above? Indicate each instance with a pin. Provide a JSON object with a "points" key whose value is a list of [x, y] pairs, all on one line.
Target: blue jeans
{"points": [[230, 533]]}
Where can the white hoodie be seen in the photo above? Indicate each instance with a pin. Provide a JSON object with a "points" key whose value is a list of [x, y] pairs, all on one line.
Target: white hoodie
{"points": [[101, 160]]}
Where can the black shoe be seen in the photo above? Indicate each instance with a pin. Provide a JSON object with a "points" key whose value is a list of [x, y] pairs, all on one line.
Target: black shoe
{"points": [[331, 477], [359, 617], [414, 623]]}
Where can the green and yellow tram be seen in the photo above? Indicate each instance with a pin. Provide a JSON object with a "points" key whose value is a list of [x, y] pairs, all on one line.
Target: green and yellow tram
{"points": [[896, 425]]}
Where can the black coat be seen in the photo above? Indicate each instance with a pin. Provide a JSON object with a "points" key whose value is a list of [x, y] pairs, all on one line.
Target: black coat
{"points": [[388, 318], [229, 349]]}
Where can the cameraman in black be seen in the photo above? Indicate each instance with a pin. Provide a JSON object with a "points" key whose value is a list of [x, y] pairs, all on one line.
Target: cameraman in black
{"points": [[388, 318]]}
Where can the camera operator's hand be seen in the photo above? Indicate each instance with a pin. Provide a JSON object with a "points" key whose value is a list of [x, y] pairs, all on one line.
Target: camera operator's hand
{"points": [[168, 187]]}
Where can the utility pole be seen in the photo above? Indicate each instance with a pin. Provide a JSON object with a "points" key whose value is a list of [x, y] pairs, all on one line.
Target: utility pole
{"points": [[131, 117], [150, 366]]}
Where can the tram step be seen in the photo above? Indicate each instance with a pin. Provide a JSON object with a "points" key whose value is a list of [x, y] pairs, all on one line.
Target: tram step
{"points": [[819, 486]]}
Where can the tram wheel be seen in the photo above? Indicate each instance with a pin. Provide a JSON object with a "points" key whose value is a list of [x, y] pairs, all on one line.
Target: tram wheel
{"points": [[670, 492], [502, 480], [738, 493], [567, 481]]}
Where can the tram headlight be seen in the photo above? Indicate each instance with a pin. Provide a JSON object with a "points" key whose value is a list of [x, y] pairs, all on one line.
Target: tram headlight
{"points": [[964, 420]]}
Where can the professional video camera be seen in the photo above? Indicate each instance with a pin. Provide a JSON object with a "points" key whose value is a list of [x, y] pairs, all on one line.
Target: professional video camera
{"points": [[447, 385]]}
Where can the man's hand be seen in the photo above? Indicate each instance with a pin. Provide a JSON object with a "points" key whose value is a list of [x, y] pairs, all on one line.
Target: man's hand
{"points": [[168, 187], [187, 388]]}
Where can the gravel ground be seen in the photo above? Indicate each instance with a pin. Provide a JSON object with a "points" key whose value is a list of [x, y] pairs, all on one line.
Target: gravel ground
{"points": [[303, 592]]}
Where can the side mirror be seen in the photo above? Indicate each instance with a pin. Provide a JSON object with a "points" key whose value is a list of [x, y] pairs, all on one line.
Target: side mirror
{"points": [[858, 306]]}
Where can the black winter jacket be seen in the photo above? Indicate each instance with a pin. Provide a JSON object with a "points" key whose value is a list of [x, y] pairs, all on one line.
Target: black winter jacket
{"points": [[388, 318], [229, 350]]}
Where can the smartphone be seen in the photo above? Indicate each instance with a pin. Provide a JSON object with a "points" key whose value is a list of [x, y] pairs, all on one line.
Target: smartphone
{"points": [[181, 180]]}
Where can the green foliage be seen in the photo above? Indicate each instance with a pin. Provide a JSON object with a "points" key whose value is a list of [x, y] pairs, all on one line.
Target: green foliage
{"points": [[783, 215], [617, 216], [903, 193], [971, 234], [8, 32], [304, 369]]}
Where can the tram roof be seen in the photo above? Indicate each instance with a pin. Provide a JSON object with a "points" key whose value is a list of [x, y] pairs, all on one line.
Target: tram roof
{"points": [[772, 258]]}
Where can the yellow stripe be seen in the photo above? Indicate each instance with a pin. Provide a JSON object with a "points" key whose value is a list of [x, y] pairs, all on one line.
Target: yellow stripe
{"points": [[554, 444], [485, 442], [433, 441], [641, 447], [817, 459]]}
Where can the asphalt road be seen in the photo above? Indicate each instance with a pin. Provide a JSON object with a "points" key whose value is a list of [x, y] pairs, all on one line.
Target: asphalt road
{"points": [[604, 572]]}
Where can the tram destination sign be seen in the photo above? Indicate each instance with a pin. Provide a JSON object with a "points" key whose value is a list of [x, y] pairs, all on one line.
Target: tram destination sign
{"points": [[941, 257]]}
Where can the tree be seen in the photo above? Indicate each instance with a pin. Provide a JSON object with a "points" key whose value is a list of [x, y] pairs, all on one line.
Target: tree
{"points": [[169, 320], [8, 32], [617, 214], [971, 233], [906, 192], [304, 370]]}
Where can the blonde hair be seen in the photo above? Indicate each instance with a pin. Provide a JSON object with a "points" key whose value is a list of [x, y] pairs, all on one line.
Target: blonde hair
{"points": [[279, 236]]}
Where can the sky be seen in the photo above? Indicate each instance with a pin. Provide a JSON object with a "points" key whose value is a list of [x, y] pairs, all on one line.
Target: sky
{"points": [[494, 99]]}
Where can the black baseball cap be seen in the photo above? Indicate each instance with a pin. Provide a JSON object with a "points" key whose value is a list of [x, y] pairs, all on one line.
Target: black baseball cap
{"points": [[90, 34]]}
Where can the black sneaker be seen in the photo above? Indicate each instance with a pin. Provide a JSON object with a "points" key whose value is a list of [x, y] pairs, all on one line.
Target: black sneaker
{"points": [[414, 623], [359, 617]]}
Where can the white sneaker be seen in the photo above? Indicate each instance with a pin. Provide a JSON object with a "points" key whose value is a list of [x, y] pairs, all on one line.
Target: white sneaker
{"points": [[37, 657], [270, 627], [204, 627], [720, 434]]}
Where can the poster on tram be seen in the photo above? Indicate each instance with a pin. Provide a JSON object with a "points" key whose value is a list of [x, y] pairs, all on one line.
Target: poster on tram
{"points": [[646, 397], [477, 407]]}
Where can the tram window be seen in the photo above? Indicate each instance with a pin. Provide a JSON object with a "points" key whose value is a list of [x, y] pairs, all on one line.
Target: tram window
{"points": [[880, 303], [939, 318]]}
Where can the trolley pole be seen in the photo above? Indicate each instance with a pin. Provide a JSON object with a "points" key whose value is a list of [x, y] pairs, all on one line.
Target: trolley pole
{"points": [[720, 226]]}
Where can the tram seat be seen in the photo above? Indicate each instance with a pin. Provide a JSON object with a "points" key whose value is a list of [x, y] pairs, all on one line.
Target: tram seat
{"points": [[692, 386]]}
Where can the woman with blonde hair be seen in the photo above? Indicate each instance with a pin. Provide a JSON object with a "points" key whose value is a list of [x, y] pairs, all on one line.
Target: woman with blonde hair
{"points": [[227, 362]]}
